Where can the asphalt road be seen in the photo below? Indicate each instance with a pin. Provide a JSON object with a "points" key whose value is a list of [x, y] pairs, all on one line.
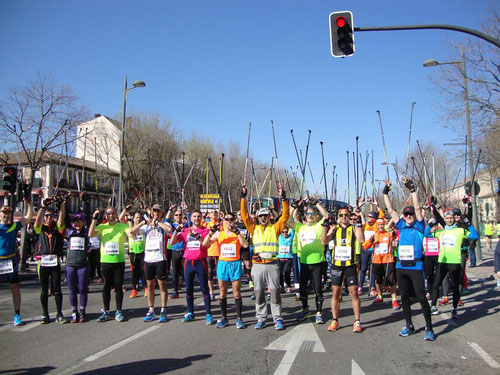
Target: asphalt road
{"points": [[467, 345]]}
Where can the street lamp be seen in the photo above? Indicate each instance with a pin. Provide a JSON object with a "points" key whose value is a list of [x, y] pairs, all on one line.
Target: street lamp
{"points": [[461, 66], [122, 138]]}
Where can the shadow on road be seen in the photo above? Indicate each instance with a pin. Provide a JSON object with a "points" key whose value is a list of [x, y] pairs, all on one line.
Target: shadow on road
{"points": [[29, 371], [150, 366]]}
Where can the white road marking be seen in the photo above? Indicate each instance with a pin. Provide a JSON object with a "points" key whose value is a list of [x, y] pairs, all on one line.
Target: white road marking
{"points": [[355, 369], [292, 342], [109, 349], [485, 356]]}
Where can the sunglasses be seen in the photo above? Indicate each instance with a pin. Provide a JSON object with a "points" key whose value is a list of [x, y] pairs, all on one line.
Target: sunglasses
{"points": [[110, 213], [408, 214], [229, 218], [309, 213], [49, 215], [343, 215], [177, 215]]}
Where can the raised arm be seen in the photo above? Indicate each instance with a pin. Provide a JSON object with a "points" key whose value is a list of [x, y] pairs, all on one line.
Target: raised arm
{"points": [[93, 224], [387, 200], [410, 185], [249, 224], [29, 214]]}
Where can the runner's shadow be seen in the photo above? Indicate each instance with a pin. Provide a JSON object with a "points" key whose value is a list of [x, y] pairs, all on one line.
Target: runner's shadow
{"points": [[150, 366], [29, 371]]}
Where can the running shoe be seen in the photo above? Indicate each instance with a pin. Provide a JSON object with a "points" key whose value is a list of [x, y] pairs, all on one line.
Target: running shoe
{"points": [[454, 314], [268, 296], [150, 316], [174, 295], [334, 325], [360, 291], [212, 297], [240, 324], [429, 335], [428, 296], [288, 290], [356, 327], [373, 292], [100, 280], [378, 301], [222, 322], [444, 301], [119, 317], [17, 320], [460, 303], [45, 319], [297, 297], [104, 317], [75, 317], [260, 324], [252, 297], [83, 318], [434, 310], [133, 293], [278, 325], [319, 318], [189, 317], [465, 291], [405, 331], [61, 319], [303, 315], [209, 320], [162, 318], [395, 305]]}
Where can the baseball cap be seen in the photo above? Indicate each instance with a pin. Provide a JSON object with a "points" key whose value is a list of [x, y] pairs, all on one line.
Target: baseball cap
{"points": [[449, 212], [456, 211], [263, 211], [78, 216], [157, 207], [373, 214], [410, 210]]}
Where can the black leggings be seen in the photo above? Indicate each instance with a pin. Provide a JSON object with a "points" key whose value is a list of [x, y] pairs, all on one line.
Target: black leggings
{"points": [[455, 271], [113, 278], [45, 273], [95, 263], [177, 268], [137, 263], [408, 280], [285, 272], [430, 269], [314, 272]]}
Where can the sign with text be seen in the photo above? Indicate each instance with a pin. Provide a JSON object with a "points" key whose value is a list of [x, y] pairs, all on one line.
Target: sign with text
{"points": [[209, 202]]}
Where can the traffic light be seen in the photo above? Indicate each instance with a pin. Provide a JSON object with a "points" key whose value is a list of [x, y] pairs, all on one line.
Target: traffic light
{"points": [[10, 179], [341, 34]]}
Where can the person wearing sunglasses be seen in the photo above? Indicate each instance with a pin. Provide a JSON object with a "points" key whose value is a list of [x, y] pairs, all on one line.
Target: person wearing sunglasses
{"points": [[230, 240], [311, 255], [265, 268], [410, 265], [9, 260], [49, 253], [113, 234], [177, 250], [285, 257], [347, 240]]}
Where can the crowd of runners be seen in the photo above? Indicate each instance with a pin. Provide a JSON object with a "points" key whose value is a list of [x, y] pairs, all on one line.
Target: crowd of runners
{"points": [[301, 248]]}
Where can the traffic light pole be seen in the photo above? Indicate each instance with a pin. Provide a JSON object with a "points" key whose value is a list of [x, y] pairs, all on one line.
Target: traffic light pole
{"points": [[461, 29]]}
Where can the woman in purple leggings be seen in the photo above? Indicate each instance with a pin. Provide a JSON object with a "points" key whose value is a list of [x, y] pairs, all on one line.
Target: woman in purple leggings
{"points": [[77, 267]]}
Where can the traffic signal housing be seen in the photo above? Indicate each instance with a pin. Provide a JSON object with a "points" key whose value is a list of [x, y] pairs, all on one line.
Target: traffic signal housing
{"points": [[10, 179], [341, 34]]}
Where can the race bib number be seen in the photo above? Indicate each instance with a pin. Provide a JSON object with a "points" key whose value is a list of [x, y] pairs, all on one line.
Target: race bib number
{"points": [[139, 238], [284, 250], [448, 241], [49, 260], [381, 248], [153, 245], [432, 246], [331, 245], [406, 252], [193, 244], [342, 253], [111, 248], [77, 243], [6, 266], [308, 237], [228, 250]]}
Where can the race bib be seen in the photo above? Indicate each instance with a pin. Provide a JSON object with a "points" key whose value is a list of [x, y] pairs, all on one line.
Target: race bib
{"points": [[77, 243], [193, 244], [342, 253], [448, 241], [228, 250], [284, 250], [307, 237], [406, 252], [111, 248], [381, 248], [138, 238], [95, 243], [432, 246], [331, 245], [152, 245], [49, 260], [6, 266]]}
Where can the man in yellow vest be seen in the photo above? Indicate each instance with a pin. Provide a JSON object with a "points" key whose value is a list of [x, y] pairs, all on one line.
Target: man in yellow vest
{"points": [[265, 266]]}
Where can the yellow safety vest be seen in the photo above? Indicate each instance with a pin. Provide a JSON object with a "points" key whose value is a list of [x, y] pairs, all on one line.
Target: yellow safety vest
{"points": [[265, 241]]}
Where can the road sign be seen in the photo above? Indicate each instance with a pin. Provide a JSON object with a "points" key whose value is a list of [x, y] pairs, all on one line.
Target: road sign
{"points": [[468, 191], [209, 202]]}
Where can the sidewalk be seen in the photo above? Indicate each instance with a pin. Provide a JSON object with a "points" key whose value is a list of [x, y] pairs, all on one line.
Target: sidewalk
{"points": [[484, 269]]}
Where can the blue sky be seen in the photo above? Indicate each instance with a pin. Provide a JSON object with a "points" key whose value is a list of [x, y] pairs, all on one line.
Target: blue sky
{"points": [[212, 67]]}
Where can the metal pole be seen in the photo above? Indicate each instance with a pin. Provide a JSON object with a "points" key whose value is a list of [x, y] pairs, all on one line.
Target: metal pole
{"points": [[357, 170], [246, 159], [348, 181], [409, 139], [122, 139], [277, 171], [324, 172], [383, 143]]}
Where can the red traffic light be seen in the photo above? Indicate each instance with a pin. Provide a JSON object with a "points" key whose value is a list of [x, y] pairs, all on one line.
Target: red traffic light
{"points": [[9, 170], [340, 21]]}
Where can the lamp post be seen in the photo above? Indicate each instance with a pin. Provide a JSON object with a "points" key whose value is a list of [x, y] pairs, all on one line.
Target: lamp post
{"points": [[122, 137], [461, 66]]}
